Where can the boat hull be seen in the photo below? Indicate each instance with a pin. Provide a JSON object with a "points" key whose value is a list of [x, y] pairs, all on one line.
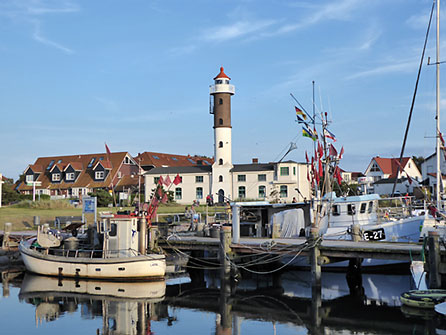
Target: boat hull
{"points": [[150, 266]]}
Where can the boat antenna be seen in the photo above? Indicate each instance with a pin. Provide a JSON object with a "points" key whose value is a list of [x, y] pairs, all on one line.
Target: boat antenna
{"points": [[413, 101]]}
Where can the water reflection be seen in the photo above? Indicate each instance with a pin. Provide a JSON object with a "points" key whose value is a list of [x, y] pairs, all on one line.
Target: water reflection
{"points": [[282, 304]]}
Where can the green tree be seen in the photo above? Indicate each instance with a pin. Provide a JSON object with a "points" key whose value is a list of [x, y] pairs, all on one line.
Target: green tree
{"points": [[9, 194], [418, 160], [104, 198]]}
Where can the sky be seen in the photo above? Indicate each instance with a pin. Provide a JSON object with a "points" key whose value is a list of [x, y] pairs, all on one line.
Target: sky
{"points": [[135, 75]]}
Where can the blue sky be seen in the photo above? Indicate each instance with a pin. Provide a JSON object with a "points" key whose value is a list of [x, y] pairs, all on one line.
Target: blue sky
{"points": [[136, 74]]}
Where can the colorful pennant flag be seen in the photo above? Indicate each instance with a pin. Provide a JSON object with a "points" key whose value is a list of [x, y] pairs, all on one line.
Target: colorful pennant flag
{"points": [[300, 112], [329, 135], [308, 133]]}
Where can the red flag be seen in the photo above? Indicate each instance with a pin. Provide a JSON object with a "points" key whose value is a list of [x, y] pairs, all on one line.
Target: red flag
{"points": [[164, 199], [161, 180], [160, 192], [153, 215], [337, 174], [320, 149], [441, 138], [167, 181], [341, 153], [177, 180], [320, 168], [108, 151], [306, 157], [155, 201], [308, 174], [333, 151]]}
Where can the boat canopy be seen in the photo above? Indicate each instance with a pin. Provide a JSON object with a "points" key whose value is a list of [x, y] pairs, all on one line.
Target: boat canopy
{"points": [[355, 198]]}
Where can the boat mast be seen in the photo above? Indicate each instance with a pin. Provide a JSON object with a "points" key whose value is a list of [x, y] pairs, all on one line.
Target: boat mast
{"points": [[437, 116]]}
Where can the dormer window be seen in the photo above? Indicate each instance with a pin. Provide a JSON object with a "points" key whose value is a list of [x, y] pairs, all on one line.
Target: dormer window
{"points": [[99, 175], [69, 176], [55, 177], [29, 178]]}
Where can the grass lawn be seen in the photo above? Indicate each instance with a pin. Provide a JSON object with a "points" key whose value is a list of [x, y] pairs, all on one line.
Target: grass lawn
{"points": [[23, 218]]}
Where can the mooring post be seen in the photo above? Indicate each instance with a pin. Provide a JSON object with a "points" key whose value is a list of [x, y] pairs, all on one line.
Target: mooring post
{"points": [[314, 257], [235, 223], [225, 249], [225, 326], [142, 236], [6, 235], [434, 260], [355, 232], [153, 242]]}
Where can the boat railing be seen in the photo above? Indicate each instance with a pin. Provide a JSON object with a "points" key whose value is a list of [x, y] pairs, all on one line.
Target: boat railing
{"points": [[88, 253]]}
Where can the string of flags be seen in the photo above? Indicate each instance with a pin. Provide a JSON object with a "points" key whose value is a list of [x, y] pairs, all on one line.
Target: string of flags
{"points": [[316, 170], [160, 195]]}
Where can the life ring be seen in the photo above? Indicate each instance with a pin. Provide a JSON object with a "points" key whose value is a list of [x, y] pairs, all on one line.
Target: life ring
{"points": [[423, 298]]}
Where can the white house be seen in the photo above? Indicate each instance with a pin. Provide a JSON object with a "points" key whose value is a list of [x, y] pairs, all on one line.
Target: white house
{"points": [[429, 171], [277, 181], [381, 173]]}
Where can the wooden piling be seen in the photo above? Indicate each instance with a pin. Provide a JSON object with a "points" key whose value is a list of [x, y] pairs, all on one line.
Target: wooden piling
{"points": [[314, 258], [142, 236], [225, 249], [434, 260], [355, 232]]}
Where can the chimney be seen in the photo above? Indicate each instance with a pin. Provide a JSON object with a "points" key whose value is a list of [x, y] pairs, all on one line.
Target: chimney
{"points": [[255, 161]]}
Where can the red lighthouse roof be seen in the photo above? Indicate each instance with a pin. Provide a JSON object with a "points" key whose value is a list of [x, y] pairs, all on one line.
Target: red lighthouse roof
{"points": [[222, 74]]}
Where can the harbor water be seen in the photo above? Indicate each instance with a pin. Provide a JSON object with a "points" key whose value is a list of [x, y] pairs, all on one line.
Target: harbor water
{"points": [[199, 303]]}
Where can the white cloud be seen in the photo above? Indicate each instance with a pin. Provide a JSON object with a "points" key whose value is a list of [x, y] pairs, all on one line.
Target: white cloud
{"points": [[237, 29], [401, 67], [37, 36]]}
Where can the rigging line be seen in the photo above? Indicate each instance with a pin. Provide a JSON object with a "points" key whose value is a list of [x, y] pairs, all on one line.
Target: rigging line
{"points": [[413, 99]]}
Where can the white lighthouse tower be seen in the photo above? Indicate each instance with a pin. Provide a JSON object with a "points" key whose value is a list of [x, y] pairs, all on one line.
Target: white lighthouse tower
{"points": [[221, 181]]}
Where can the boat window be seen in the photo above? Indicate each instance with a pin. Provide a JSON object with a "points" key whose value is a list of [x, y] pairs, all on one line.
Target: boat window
{"points": [[351, 210], [336, 210], [113, 229], [370, 206], [363, 207]]}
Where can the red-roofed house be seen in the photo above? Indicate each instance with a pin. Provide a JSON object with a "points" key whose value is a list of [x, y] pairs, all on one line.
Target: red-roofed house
{"points": [[382, 172]]}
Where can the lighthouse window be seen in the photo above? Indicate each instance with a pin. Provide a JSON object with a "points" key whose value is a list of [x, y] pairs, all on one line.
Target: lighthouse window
{"points": [[220, 144], [220, 121], [220, 179], [220, 101], [220, 161], [219, 81]]}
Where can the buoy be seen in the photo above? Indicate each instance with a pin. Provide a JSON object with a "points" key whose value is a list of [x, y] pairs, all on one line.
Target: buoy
{"points": [[423, 298]]}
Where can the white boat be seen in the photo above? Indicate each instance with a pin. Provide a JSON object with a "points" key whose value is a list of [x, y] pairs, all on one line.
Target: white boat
{"points": [[115, 249]]}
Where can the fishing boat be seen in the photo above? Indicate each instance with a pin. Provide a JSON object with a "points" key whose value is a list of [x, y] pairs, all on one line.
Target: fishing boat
{"points": [[114, 249]]}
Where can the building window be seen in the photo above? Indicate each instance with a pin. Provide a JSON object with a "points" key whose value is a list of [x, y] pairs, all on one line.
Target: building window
{"points": [[220, 121], [242, 192], [261, 177], [55, 177], [283, 191], [241, 177], [156, 179], [99, 175], [294, 170], [199, 193], [220, 101], [220, 144], [262, 192], [29, 178], [178, 193], [220, 161], [284, 171], [198, 179], [69, 176], [374, 168], [220, 179]]}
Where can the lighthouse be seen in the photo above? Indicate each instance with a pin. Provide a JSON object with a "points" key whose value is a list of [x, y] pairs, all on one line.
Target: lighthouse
{"points": [[222, 91]]}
